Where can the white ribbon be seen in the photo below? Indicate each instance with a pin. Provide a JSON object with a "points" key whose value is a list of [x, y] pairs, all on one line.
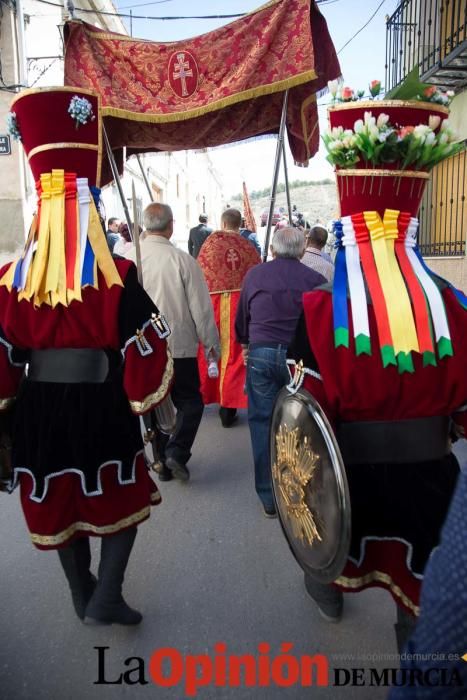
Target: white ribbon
{"points": [[435, 300], [84, 200], [26, 264], [355, 278]]}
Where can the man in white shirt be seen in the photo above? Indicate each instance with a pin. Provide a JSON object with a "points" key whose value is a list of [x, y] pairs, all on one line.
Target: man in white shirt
{"points": [[175, 279]]}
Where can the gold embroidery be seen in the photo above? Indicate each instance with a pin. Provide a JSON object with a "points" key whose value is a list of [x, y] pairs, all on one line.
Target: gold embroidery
{"points": [[259, 91], [157, 396], [61, 537], [224, 333], [381, 577], [306, 139], [293, 471]]}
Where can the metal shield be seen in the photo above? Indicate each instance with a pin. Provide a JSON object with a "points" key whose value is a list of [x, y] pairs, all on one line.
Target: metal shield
{"points": [[310, 485]]}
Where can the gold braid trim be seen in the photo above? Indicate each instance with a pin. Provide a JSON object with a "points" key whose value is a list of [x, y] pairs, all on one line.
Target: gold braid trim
{"points": [[224, 333], [379, 104], [155, 398], [366, 172], [380, 577], [64, 535]]}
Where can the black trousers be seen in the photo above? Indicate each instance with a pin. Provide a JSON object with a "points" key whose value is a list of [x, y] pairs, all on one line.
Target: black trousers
{"points": [[189, 404]]}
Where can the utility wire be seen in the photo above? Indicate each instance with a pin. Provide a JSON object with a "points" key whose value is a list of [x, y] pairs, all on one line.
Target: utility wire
{"points": [[123, 14], [361, 28]]}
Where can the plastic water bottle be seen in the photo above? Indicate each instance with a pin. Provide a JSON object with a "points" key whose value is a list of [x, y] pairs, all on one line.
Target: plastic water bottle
{"points": [[213, 369]]}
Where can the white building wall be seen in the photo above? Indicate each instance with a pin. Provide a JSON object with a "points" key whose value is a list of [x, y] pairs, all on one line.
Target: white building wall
{"points": [[185, 179]]}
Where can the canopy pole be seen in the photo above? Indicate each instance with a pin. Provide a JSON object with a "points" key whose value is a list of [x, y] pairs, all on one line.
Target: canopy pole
{"points": [[136, 241], [146, 181], [116, 176], [280, 141], [287, 190]]}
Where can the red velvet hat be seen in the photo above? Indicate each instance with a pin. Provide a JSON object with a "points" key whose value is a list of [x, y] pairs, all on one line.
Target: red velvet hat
{"points": [[52, 137], [376, 188]]}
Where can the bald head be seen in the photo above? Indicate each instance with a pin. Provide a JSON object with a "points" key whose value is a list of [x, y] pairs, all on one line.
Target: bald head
{"points": [[288, 243], [231, 219], [158, 219]]}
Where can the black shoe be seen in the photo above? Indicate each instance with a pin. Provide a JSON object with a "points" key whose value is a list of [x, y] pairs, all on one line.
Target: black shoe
{"points": [[270, 511], [75, 560], [164, 474], [107, 605], [116, 613], [179, 471], [228, 416]]}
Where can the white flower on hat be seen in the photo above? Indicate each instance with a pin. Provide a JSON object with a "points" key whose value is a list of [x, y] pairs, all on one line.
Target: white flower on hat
{"points": [[434, 121], [382, 120]]}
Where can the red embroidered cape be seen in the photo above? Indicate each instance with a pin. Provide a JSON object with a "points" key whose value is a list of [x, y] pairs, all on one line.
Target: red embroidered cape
{"points": [[225, 258]]}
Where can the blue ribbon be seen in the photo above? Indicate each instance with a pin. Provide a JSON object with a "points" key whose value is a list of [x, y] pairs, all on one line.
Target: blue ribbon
{"points": [[96, 195], [339, 291], [17, 275], [87, 276]]}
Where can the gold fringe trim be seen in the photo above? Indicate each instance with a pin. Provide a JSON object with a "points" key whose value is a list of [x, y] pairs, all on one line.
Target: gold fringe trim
{"points": [[225, 291], [362, 172], [64, 535], [380, 577], [252, 93], [6, 403], [368, 104], [155, 398], [52, 146], [224, 333]]}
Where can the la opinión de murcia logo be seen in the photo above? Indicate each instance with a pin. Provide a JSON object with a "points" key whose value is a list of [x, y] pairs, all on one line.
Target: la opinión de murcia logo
{"points": [[168, 668]]}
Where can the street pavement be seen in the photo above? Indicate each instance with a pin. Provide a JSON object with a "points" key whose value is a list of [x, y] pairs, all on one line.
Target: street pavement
{"points": [[207, 568]]}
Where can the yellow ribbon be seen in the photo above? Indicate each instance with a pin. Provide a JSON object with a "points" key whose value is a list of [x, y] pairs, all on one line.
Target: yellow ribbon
{"points": [[103, 257], [401, 320]]}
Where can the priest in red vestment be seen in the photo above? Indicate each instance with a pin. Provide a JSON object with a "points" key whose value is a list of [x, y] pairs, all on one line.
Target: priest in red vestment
{"points": [[225, 258], [94, 346]]}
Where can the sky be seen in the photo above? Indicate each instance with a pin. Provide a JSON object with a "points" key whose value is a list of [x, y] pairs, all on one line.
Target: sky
{"points": [[361, 61]]}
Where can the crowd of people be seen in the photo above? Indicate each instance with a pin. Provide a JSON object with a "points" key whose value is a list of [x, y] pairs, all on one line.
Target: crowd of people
{"points": [[215, 326]]}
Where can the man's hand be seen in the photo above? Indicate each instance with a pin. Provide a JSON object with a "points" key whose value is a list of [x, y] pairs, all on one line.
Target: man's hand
{"points": [[245, 354]]}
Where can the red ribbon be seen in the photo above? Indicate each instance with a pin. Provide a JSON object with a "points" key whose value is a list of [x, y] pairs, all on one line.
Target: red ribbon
{"points": [[362, 237], [417, 295], [71, 228]]}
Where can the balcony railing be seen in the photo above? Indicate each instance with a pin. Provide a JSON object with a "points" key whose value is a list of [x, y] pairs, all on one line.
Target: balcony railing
{"points": [[430, 34], [443, 214]]}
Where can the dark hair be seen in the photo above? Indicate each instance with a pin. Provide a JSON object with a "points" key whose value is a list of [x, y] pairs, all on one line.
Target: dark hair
{"points": [[232, 218], [112, 220], [317, 235], [203, 218], [125, 233]]}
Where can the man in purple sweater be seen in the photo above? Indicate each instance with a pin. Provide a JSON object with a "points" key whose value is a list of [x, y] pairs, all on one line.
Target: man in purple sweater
{"points": [[268, 311]]}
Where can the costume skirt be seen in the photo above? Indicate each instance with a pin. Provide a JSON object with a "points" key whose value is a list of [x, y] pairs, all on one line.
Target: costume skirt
{"points": [[397, 514], [78, 458]]}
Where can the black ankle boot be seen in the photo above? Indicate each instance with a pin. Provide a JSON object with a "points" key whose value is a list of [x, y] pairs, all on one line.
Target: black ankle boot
{"points": [[107, 605], [76, 560]]}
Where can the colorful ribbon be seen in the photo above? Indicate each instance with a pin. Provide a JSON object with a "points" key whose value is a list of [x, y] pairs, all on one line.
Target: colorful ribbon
{"points": [[375, 289], [435, 300], [359, 305], [339, 292]]}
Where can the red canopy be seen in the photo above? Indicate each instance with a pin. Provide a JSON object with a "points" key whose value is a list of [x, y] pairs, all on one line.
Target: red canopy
{"points": [[217, 88]]}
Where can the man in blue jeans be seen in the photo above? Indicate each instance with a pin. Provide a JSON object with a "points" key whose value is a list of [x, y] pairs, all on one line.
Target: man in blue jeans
{"points": [[269, 307]]}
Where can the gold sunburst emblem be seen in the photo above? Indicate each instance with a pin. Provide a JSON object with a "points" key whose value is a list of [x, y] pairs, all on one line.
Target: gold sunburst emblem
{"points": [[292, 471]]}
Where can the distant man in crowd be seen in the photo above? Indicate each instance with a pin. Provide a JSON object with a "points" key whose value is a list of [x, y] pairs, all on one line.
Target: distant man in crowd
{"points": [[314, 256], [198, 235], [250, 236], [112, 232], [176, 280], [268, 311], [225, 259]]}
